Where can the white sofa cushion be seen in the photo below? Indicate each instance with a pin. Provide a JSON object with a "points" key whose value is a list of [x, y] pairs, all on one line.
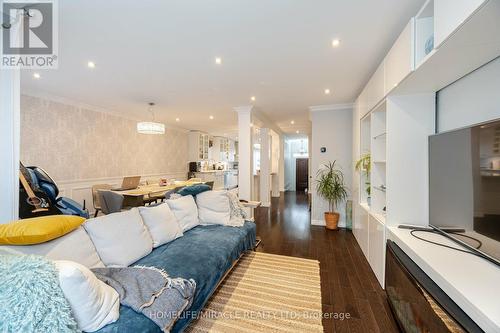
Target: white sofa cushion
{"points": [[93, 303], [161, 223], [213, 207], [120, 238], [75, 246], [186, 211]]}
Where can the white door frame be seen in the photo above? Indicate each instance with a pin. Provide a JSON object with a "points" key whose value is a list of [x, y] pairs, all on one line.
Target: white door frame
{"points": [[10, 91]]}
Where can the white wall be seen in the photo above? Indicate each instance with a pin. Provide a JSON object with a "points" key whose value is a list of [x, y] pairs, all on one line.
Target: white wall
{"points": [[471, 100], [293, 146], [80, 147], [331, 129]]}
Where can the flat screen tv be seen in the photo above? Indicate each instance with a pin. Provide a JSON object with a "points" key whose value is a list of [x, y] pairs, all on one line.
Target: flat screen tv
{"points": [[464, 186]]}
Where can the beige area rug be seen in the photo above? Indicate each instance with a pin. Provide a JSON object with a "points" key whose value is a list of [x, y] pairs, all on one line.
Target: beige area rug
{"points": [[265, 293]]}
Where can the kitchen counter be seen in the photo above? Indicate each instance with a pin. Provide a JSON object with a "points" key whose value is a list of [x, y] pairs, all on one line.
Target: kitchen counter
{"points": [[215, 171], [223, 179]]}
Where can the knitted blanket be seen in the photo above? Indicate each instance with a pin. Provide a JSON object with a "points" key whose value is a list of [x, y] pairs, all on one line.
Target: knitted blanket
{"points": [[150, 291], [31, 299]]}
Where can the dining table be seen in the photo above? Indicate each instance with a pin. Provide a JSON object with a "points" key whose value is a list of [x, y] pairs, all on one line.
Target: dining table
{"points": [[135, 197]]}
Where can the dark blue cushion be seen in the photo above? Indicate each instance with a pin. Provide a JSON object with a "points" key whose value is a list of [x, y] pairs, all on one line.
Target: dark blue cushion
{"points": [[204, 254], [194, 189]]}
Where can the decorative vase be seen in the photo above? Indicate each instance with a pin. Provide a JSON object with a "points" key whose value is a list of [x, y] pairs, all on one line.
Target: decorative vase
{"points": [[332, 220]]}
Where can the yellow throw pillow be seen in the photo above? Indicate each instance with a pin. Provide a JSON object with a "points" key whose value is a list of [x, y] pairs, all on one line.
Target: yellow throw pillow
{"points": [[38, 229]]}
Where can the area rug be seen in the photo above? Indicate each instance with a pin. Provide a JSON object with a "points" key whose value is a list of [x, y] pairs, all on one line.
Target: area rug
{"points": [[265, 293]]}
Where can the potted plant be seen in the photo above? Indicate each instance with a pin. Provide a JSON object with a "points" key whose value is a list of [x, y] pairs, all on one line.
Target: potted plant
{"points": [[331, 187], [364, 165]]}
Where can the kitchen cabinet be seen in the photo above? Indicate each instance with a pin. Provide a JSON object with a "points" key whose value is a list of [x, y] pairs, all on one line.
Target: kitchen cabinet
{"points": [[198, 146], [224, 149], [374, 91], [360, 227], [215, 176], [376, 247], [399, 61], [451, 14]]}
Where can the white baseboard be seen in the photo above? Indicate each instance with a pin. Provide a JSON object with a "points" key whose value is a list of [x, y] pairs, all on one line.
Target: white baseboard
{"points": [[318, 222]]}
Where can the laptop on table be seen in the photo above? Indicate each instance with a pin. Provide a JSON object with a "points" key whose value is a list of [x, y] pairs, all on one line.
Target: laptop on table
{"points": [[129, 183]]}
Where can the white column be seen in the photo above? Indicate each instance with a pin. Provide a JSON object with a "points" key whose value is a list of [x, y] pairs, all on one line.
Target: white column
{"points": [[281, 164], [9, 144], [245, 158], [265, 167]]}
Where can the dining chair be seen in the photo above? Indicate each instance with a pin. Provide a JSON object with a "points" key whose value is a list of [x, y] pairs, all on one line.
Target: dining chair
{"points": [[111, 202], [195, 180], [95, 197]]}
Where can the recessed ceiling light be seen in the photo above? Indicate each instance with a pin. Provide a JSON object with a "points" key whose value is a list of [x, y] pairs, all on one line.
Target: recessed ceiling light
{"points": [[297, 131], [211, 117], [252, 98], [177, 119], [91, 64], [335, 42], [218, 60], [327, 91], [292, 122], [36, 75]]}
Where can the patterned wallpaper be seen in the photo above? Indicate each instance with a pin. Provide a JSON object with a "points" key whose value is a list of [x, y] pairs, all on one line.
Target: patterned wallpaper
{"points": [[73, 143]]}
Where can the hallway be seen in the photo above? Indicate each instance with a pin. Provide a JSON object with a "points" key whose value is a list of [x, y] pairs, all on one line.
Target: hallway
{"points": [[348, 285]]}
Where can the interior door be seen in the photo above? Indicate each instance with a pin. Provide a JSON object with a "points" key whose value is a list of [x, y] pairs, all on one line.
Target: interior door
{"points": [[301, 174]]}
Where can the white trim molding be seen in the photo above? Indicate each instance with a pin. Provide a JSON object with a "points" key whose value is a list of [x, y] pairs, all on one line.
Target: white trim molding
{"points": [[331, 107], [10, 139]]}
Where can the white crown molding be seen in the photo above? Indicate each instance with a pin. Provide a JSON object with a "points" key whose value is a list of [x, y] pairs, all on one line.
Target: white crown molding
{"points": [[331, 107], [85, 106]]}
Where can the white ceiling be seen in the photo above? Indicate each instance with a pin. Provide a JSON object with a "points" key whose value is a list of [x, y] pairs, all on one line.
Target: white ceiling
{"points": [[163, 51]]}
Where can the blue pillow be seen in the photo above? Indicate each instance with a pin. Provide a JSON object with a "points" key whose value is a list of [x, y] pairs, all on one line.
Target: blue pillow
{"points": [[194, 189]]}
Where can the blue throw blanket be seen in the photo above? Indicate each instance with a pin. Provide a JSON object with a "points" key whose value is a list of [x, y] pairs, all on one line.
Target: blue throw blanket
{"points": [[31, 299], [150, 291]]}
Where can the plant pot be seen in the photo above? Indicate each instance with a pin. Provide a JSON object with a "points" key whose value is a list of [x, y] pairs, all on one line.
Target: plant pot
{"points": [[332, 220]]}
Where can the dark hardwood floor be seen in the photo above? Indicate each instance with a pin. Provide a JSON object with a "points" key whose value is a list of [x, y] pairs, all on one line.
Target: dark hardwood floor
{"points": [[348, 285]]}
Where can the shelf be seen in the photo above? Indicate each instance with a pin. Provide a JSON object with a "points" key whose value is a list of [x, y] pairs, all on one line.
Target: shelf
{"points": [[381, 189], [365, 206], [378, 217], [379, 162], [381, 135], [459, 55]]}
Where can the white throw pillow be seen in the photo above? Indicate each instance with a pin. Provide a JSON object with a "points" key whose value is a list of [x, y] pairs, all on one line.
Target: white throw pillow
{"points": [[185, 211], [213, 207], [75, 246], [120, 238], [93, 303], [161, 223]]}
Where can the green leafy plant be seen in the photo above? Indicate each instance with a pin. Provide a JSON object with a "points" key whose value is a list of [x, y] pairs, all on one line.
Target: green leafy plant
{"points": [[330, 185], [364, 165]]}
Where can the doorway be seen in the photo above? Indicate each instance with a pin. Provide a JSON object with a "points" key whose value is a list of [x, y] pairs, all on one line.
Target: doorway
{"points": [[301, 174]]}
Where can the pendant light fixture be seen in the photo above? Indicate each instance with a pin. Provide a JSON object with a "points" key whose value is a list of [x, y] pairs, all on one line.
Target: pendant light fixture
{"points": [[151, 127]]}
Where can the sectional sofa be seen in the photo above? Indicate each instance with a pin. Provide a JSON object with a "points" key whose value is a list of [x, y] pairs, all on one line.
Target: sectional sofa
{"points": [[205, 250]]}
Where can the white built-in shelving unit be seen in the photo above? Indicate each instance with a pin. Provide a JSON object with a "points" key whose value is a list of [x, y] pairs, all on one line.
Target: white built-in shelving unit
{"points": [[395, 114], [424, 32]]}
